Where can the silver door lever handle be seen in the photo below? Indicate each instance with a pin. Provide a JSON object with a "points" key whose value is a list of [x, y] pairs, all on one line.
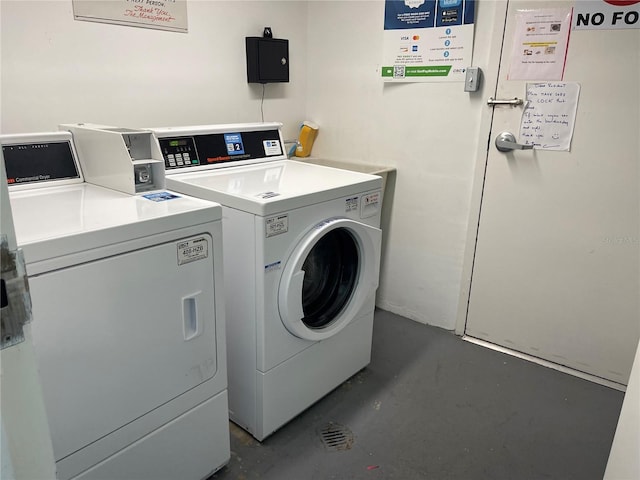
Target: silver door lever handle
{"points": [[505, 142]]}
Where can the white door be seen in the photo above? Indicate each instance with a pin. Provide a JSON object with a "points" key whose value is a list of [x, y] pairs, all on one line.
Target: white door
{"points": [[557, 259]]}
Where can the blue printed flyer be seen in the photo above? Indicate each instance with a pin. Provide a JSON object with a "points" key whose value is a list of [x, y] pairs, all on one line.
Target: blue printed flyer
{"points": [[427, 40]]}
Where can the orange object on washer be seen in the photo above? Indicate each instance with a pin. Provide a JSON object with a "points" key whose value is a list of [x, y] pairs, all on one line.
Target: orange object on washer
{"points": [[308, 134]]}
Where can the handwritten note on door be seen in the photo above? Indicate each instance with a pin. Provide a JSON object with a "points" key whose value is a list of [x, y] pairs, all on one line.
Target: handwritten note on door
{"points": [[549, 115]]}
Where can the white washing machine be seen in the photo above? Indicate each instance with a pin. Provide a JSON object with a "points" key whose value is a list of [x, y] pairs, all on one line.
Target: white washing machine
{"points": [[302, 255], [128, 318]]}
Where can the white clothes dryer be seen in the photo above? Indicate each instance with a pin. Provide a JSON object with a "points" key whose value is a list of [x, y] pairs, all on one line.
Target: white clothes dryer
{"points": [[128, 318], [302, 258]]}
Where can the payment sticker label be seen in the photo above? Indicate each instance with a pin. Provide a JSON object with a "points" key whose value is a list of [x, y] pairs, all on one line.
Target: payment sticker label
{"points": [[272, 147], [277, 225], [160, 196], [193, 250]]}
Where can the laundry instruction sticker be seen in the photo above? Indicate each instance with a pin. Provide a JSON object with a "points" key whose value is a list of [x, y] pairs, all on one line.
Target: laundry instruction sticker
{"points": [[193, 250], [234, 143], [370, 205], [276, 225]]}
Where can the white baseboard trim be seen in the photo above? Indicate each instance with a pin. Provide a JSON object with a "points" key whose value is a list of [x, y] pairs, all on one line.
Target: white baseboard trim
{"points": [[548, 364]]}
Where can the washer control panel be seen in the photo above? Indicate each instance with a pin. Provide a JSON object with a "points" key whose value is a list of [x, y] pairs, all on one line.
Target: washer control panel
{"points": [[179, 152], [209, 149]]}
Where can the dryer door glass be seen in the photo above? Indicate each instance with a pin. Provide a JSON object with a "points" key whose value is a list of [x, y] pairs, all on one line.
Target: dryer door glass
{"points": [[331, 272]]}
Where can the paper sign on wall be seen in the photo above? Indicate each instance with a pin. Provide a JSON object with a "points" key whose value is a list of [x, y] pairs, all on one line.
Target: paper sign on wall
{"points": [[540, 44], [549, 115], [427, 40], [157, 14]]}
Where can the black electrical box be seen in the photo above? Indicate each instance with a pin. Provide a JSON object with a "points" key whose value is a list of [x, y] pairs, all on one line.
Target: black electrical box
{"points": [[267, 60]]}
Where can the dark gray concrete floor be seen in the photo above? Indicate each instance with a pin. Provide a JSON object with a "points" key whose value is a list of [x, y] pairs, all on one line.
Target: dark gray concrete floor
{"points": [[432, 406]]}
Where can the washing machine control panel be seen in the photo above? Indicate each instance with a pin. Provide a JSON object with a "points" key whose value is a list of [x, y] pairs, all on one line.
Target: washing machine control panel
{"points": [[186, 151], [179, 152]]}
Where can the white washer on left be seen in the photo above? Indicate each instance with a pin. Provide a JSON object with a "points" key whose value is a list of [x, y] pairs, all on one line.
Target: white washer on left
{"points": [[128, 318]]}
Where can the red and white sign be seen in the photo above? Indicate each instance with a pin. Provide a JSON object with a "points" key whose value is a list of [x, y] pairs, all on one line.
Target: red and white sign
{"points": [[606, 14]]}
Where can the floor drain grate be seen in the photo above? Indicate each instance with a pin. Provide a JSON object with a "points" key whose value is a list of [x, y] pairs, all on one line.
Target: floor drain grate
{"points": [[336, 437]]}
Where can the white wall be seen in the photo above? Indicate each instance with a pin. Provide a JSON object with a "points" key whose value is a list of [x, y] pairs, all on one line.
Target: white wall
{"points": [[58, 70], [429, 131]]}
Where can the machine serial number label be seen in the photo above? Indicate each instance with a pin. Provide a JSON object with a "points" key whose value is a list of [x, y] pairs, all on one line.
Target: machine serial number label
{"points": [[272, 266], [351, 204], [277, 225], [192, 250]]}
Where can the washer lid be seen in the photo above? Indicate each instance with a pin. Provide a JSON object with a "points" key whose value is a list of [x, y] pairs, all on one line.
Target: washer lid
{"points": [[273, 187]]}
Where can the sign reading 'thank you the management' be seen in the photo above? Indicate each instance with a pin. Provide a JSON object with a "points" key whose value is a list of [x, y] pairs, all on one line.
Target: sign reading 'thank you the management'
{"points": [[157, 14]]}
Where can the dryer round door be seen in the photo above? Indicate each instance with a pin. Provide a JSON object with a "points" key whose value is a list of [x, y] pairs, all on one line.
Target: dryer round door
{"points": [[330, 274]]}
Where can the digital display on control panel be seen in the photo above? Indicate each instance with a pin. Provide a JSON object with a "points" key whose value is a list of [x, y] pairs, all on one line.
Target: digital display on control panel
{"points": [[179, 152], [215, 148], [39, 162]]}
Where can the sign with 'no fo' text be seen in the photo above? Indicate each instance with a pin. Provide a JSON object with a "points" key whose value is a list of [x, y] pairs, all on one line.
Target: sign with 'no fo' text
{"points": [[606, 14]]}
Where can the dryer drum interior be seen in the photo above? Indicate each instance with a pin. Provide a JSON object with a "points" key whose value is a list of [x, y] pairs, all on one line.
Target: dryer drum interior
{"points": [[331, 274]]}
